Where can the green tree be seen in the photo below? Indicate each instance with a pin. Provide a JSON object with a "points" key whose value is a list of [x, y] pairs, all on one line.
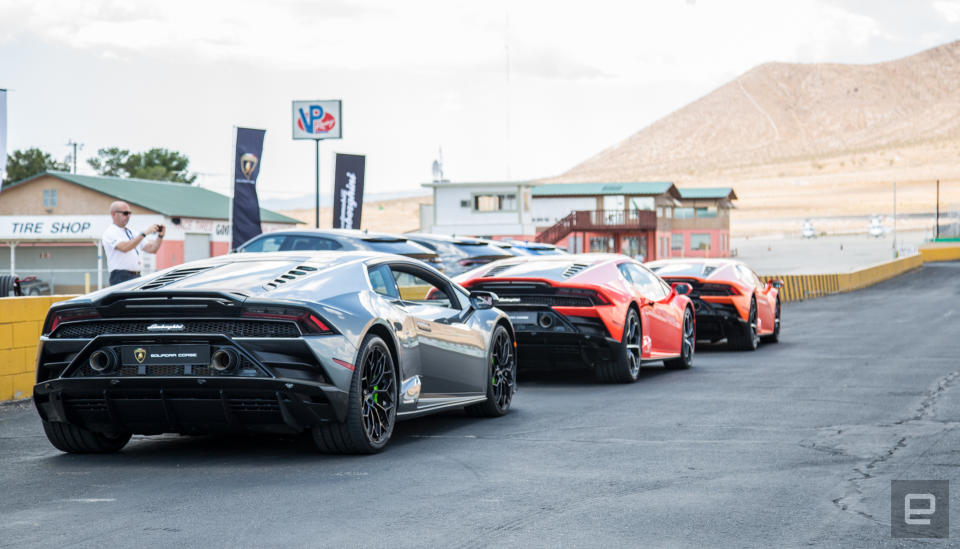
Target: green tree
{"points": [[30, 162], [156, 164]]}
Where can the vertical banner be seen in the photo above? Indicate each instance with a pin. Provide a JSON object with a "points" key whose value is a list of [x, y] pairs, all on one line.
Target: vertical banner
{"points": [[246, 168], [3, 134], [348, 191]]}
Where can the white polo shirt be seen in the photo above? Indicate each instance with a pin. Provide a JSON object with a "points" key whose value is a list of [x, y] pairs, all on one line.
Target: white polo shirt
{"points": [[117, 260]]}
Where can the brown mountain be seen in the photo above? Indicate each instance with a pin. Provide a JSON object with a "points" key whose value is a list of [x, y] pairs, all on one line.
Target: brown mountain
{"points": [[827, 128], [781, 112]]}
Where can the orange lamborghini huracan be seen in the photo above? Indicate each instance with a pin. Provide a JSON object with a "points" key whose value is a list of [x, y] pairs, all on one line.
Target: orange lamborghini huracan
{"points": [[605, 311], [731, 301]]}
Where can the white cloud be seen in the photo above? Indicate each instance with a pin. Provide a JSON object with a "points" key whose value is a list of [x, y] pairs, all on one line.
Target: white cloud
{"points": [[950, 11]]}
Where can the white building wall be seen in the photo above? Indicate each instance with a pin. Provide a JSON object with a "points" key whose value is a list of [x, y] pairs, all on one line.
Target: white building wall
{"points": [[454, 213]]}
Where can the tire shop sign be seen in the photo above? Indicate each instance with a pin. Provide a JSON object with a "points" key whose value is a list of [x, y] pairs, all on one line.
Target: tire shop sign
{"points": [[53, 227]]}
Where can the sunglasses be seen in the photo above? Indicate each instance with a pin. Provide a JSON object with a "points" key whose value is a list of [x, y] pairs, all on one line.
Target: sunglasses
{"points": [[128, 212]]}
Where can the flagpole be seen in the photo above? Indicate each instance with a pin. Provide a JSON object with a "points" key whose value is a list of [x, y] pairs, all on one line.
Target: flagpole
{"points": [[317, 197], [233, 182]]}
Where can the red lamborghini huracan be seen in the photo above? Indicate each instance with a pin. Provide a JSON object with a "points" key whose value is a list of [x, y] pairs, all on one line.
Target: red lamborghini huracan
{"points": [[731, 301], [600, 310]]}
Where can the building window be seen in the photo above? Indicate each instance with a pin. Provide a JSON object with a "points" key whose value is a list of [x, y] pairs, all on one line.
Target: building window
{"points": [[600, 244], [50, 198], [707, 212], [683, 213], [676, 241], [699, 241], [495, 203]]}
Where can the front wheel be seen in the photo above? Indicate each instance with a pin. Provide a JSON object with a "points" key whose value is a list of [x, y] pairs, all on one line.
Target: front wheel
{"points": [[501, 381], [371, 406], [626, 369], [687, 344]]}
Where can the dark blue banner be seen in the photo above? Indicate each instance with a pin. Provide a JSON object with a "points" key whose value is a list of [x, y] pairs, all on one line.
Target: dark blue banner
{"points": [[348, 191], [246, 168]]}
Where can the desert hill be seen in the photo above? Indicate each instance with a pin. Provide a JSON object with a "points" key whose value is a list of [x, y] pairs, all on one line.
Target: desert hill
{"points": [[808, 140]]}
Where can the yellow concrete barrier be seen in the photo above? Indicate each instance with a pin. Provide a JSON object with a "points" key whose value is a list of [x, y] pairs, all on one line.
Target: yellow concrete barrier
{"points": [[940, 252], [800, 287], [21, 319]]}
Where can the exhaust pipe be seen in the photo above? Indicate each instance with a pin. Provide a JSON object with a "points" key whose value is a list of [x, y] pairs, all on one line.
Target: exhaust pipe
{"points": [[224, 359], [545, 320], [102, 360]]}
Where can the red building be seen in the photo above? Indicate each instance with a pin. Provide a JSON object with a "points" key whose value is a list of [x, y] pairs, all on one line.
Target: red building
{"points": [[648, 220]]}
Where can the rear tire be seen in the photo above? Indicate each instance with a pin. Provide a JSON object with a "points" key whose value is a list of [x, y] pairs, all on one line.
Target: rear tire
{"points": [[627, 367], [687, 344], [371, 405], [77, 440], [502, 376], [775, 336], [747, 339]]}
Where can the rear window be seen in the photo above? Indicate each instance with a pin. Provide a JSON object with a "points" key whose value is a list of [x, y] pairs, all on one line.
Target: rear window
{"points": [[480, 249], [678, 269]]}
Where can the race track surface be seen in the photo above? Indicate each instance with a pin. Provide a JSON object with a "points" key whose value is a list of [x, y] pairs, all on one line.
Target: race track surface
{"points": [[792, 445]]}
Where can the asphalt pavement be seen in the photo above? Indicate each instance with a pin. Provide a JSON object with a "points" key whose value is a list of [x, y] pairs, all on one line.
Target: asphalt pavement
{"points": [[792, 445]]}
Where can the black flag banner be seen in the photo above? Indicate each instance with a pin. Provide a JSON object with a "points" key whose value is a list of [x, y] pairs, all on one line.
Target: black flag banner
{"points": [[246, 168], [348, 191]]}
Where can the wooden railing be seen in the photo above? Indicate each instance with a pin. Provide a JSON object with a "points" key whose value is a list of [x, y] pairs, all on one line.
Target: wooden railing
{"points": [[599, 221]]}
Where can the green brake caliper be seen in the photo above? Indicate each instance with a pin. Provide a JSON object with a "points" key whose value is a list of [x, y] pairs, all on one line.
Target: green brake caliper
{"points": [[375, 395]]}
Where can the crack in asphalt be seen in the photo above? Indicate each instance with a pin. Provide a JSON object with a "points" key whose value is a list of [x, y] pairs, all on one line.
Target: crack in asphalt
{"points": [[854, 496]]}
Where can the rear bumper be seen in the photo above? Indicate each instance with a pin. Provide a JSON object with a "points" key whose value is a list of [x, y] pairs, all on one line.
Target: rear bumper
{"points": [[549, 340], [717, 321], [192, 405]]}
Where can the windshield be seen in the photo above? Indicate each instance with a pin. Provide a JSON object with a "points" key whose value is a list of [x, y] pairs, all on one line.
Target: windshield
{"points": [[401, 247], [678, 269]]}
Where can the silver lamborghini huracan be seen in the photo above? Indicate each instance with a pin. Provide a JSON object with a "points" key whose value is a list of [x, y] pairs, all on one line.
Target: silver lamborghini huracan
{"points": [[340, 344]]}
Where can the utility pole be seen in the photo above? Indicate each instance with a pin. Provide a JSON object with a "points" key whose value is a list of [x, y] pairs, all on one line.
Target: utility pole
{"points": [[75, 146], [894, 219], [936, 228]]}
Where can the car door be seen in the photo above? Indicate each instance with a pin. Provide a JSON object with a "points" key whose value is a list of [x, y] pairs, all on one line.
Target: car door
{"points": [[452, 354], [662, 327]]}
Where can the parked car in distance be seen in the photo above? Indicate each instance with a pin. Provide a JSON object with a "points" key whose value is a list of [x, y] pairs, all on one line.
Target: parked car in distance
{"points": [[31, 285], [340, 239], [339, 345], [806, 231], [537, 248], [602, 311], [460, 253], [731, 301]]}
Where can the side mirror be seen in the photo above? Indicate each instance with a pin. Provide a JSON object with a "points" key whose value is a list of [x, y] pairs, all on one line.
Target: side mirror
{"points": [[682, 288], [776, 283], [483, 300]]}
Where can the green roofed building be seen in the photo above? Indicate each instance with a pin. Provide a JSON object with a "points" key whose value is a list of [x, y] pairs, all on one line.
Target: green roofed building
{"points": [[51, 224]]}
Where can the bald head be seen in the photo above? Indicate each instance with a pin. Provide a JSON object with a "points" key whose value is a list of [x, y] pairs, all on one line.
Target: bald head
{"points": [[120, 213]]}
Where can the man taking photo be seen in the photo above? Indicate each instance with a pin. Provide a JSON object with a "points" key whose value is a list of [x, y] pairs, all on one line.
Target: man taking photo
{"points": [[123, 246]]}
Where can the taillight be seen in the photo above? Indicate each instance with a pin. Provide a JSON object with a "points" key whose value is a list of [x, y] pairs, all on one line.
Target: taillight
{"points": [[717, 289], [68, 315], [308, 322], [595, 297]]}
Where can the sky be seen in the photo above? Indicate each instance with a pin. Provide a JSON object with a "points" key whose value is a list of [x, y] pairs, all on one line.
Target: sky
{"points": [[508, 89]]}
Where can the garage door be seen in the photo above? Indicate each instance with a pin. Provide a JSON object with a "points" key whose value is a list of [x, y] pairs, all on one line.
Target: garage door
{"points": [[196, 246]]}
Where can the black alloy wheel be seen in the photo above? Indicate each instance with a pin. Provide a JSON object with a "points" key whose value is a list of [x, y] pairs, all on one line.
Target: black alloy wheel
{"points": [[775, 336], [502, 378], [371, 406], [626, 369], [687, 344]]}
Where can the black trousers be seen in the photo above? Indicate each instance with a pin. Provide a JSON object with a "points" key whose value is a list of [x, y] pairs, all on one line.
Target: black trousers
{"points": [[118, 276]]}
